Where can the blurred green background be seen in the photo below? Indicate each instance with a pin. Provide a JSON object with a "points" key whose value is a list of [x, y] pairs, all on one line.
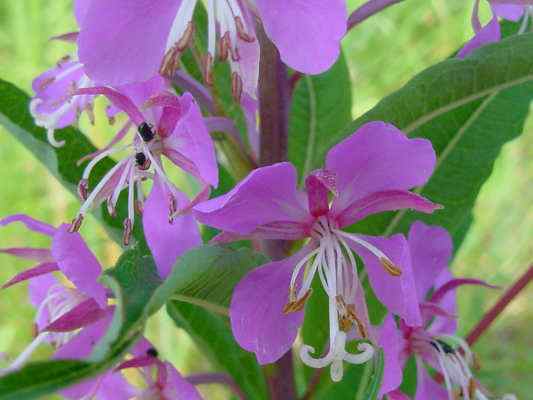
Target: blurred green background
{"points": [[383, 54]]}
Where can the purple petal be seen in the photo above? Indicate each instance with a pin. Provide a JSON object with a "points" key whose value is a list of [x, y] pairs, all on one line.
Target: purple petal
{"points": [[266, 195], [453, 284], [80, 9], [123, 41], [140, 93], [444, 325], [38, 289], [397, 395], [108, 386], [178, 387], [53, 106], [392, 343], [430, 310], [431, 251], [256, 312], [248, 66], [378, 157], [141, 347], [167, 241], [426, 387], [490, 33], [317, 195], [29, 253], [118, 99], [384, 201], [78, 263], [31, 224], [83, 314], [250, 108], [81, 345], [397, 293], [38, 270], [191, 138], [316, 26], [512, 12]]}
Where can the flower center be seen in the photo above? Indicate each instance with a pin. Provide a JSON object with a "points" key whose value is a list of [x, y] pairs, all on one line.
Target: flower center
{"points": [[59, 301], [336, 266], [129, 173]]}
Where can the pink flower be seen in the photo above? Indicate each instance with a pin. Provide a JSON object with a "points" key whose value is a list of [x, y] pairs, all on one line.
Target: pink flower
{"points": [[367, 173], [433, 343], [61, 309], [512, 10], [53, 106], [161, 380], [168, 126], [124, 41]]}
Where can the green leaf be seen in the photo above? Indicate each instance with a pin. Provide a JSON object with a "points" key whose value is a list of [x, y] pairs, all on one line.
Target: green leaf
{"points": [[213, 335], [482, 105], [61, 162], [206, 276], [320, 110], [468, 109], [373, 382], [203, 280], [134, 281]]}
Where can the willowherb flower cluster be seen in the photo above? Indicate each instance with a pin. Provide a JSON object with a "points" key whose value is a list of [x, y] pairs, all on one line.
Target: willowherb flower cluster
{"points": [[131, 53]]}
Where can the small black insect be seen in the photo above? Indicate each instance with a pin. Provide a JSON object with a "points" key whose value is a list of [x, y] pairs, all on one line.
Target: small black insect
{"points": [[140, 159], [146, 132], [444, 346], [152, 352]]}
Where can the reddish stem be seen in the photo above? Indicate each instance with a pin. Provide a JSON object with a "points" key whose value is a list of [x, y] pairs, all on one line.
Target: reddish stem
{"points": [[217, 378], [500, 306], [273, 113]]}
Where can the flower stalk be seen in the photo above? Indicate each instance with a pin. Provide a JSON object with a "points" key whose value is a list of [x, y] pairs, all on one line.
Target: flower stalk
{"points": [[273, 113], [500, 306]]}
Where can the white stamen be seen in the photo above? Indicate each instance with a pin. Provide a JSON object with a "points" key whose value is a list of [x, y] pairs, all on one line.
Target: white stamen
{"points": [[179, 25], [58, 301], [373, 249], [121, 182], [85, 206], [131, 195], [335, 263], [26, 354], [88, 169], [336, 355]]}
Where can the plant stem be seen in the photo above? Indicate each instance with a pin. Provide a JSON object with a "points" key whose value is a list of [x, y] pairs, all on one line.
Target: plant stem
{"points": [[273, 113], [273, 103], [205, 379], [500, 306], [368, 9], [280, 379]]}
